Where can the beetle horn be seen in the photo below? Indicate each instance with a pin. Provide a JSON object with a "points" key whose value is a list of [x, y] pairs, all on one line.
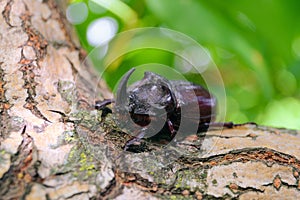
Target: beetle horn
{"points": [[122, 89]]}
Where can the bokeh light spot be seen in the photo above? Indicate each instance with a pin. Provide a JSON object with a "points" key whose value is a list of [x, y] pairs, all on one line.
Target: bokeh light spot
{"points": [[286, 82], [101, 31], [246, 21], [197, 58], [95, 8], [247, 96], [77, 13], [282, 113], [296, 46]]}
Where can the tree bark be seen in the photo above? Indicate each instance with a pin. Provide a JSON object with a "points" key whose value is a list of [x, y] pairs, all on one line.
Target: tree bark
{"points": [[54, 145]]}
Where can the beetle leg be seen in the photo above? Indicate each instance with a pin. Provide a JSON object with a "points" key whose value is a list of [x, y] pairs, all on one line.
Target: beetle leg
{"points": [[135, 139], [228, 124], [171, 128], [100, 105], [220, 124]]}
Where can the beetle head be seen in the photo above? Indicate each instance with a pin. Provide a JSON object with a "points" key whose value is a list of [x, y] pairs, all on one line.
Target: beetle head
{"points": [[150, 96]]}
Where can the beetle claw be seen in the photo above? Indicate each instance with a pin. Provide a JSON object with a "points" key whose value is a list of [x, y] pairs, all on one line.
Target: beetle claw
{"points": [[171, 128], [135, 139]]}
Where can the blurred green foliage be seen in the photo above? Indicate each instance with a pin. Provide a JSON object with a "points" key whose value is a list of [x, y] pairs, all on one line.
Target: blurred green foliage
{"points": [[255, 44]]}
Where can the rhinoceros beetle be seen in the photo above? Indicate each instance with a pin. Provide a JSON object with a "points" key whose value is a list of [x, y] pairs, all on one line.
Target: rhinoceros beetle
{"points": [[156, 99]]}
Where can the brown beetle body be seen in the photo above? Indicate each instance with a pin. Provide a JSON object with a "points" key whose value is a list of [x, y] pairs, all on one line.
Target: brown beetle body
{"points": [[179, 99], [189, 95], [157, 100]]}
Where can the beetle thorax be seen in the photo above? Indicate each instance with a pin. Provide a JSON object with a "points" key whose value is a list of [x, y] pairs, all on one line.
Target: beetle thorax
{"points": [[149, 98]]}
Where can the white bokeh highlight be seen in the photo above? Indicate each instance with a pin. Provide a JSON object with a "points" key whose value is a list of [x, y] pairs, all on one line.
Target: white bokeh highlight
{"points": [[198, 58], [101, 31]]}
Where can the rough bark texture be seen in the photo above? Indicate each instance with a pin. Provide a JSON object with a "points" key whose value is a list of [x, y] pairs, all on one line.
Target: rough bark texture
{"points": [[74, 154]]}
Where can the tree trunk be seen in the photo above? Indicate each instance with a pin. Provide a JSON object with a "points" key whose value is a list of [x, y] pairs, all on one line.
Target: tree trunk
{"points": [[54, 145]]}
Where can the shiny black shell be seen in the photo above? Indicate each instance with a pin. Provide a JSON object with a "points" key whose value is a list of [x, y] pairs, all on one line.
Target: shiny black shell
{"points": [[179, 99]]}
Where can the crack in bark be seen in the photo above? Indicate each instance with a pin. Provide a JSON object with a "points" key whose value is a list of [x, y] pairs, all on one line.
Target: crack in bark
{"points": [[39, 44], [6, 12], [265, 155], [30, 84], [4, 106], [160, 189], [236, 189], [74, 70], [22, 170], [253, 136], [108, 189], [35, 38], [243, 155], [277, 183], [82, 99], [59, 16], [73, 196], [156, 188], [278, 130], [128, 179], [112, 190]]}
